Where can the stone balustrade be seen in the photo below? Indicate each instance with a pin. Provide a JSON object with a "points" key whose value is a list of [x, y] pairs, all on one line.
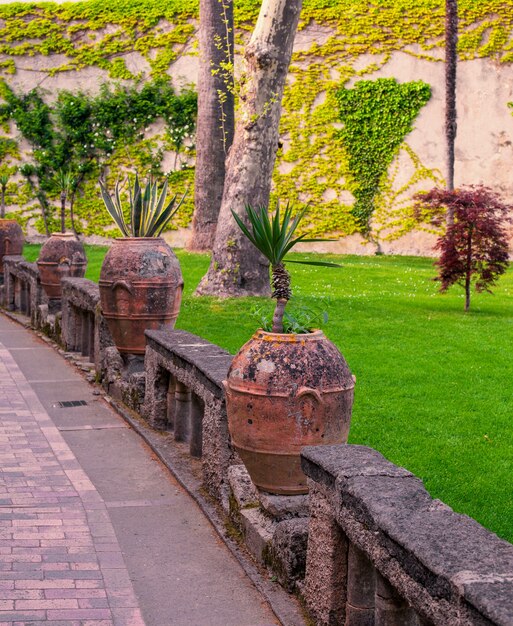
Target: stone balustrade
{"points": [[184, 394], [84, 329], [22, 287], [381, 551]]}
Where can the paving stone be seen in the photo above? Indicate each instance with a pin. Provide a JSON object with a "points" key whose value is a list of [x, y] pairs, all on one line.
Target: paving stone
{"points": [[181, 572], [48, 550]]}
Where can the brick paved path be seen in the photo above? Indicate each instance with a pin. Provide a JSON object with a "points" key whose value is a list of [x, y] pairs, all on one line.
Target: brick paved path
{"points": [[60, 563]]}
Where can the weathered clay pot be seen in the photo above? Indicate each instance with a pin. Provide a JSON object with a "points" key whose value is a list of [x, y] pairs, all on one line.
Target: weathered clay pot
{"points": [[284, 392], [140, 289], [11, 240], [62, 255]]}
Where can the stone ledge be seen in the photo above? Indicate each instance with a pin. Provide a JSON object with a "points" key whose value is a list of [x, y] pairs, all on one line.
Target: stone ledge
{"points": [[81, 292], [210, 361], [18, 265], [450, 555]]}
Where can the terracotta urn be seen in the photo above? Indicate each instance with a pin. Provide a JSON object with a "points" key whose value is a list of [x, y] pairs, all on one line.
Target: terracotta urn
{"points": [[140, 289], [11, 240], [62, 255], [283, 392]]}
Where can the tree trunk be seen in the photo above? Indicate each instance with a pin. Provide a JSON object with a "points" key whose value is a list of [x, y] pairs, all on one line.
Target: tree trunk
{"points": [[468, 274], [215, 125], [451, 61], [2, 203], [63, 212], [43, 203], [72, 213], [237, 268]]}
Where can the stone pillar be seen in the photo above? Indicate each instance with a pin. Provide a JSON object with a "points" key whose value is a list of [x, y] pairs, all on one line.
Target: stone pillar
{"points": [[326, 563], [171, 402], [158, 382], [24, 298], [391, 609], [84, 333], [197, 411], [90, 324], [361, 589], [182, 412], [17, 294], [9, 286]]}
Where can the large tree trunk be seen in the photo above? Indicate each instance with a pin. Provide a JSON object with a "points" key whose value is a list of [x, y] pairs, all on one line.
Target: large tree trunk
{"points": [[237, 268], [2, 202], [451, 62], [468, 273], [215, 126]]}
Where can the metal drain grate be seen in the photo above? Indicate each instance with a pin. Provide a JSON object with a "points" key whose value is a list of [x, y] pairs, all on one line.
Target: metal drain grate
{"points": [[69, 403]]}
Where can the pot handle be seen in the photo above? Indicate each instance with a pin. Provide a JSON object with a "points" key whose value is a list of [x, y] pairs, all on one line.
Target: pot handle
{"points": [[7, 245], [124, 284], [64, 266], [226, 387], [308, 391]]}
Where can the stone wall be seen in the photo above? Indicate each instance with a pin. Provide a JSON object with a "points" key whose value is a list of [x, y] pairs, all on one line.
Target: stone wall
{"points": [[367, 546], [382, 551], [185, 395], [484, 148]]}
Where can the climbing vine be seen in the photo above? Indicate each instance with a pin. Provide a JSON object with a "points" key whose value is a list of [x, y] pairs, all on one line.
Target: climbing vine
{"points": [[354, 40], [377, 116], [143, 39], [81, 137]]}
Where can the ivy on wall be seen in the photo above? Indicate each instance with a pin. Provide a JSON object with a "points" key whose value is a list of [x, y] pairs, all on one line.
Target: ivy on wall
{"points": [[98, 33], [313, 165], [84, 137], [377, 116], [355, 38]]}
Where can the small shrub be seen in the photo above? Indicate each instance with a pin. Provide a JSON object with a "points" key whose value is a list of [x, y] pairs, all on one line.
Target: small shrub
{"points": [[474, 248]]}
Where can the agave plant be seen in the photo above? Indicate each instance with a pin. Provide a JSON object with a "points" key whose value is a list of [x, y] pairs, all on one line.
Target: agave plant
{"points": [[274, 237], [149, 213]]}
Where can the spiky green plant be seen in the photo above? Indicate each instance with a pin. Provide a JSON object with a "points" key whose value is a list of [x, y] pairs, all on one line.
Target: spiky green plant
{"points": [[274, 237], [149, 214], [64, 183]]}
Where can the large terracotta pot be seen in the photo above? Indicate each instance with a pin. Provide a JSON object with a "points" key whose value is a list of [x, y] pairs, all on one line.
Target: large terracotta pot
{"points": [[11, 240], [140, 289], [284, 392], [61, 256]]}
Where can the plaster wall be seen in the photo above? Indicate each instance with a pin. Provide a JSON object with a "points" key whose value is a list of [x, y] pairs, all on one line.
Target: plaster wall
{"points": [[484, 147]]}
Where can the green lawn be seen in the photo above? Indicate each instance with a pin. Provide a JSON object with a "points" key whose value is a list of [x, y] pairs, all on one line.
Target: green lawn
{"points": [[434, 385]]}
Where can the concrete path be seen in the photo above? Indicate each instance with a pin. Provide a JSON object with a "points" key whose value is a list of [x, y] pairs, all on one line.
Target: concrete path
{"points": [[93, 530]]}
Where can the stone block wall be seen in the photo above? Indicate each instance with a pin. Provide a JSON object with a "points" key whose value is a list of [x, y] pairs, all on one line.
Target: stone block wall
{"points": [[382, 551], [22, 287], [185, 394], [84, 328]]}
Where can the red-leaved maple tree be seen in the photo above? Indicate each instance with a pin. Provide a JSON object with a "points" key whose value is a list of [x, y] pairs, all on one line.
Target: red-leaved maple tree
{"points": [[474, 248]]}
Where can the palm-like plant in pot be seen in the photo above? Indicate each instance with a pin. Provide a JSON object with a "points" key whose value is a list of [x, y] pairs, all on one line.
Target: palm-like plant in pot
{"points": [[140, 281], [284, 390]]}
